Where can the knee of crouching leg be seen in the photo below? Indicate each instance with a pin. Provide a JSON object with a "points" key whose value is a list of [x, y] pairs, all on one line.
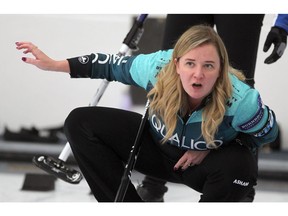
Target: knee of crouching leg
{"points": [[72, 120]]}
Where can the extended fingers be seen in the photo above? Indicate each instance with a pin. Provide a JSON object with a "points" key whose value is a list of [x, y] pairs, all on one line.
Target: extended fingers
{"points": [[27, 46]]}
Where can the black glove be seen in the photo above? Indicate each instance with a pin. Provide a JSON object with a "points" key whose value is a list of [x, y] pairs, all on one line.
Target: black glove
{"points": [[278, 37]]}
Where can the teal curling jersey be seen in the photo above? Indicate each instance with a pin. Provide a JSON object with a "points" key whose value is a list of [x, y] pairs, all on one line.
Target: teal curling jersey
{"points": [[245, 110]]}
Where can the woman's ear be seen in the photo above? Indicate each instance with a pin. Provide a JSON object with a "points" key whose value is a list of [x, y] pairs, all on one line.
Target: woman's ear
{"points": [[175, 60]]}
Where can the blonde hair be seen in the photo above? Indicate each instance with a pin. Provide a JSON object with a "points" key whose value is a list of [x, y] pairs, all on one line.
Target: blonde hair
{"points": [[168, 98]]}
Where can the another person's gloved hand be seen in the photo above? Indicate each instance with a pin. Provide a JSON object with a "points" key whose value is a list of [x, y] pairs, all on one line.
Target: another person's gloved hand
{"points": [[278, 37]]}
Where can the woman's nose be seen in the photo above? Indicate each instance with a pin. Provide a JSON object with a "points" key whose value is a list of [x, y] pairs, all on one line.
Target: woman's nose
{"points": [[198, 72]]}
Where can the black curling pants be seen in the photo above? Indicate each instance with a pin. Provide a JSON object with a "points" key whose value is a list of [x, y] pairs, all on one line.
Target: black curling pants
{"points": [[239, 32], [101, 140]]}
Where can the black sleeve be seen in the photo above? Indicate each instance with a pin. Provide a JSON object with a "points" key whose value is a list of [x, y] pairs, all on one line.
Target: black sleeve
{"points": [[81, 67]]}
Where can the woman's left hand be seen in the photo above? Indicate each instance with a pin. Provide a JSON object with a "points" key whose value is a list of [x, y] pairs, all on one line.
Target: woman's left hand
{"points": [[191, 158], [41, 60]]}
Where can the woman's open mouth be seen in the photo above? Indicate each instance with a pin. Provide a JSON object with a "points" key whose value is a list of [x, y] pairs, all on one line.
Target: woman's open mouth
{"points": [[197, 85]]}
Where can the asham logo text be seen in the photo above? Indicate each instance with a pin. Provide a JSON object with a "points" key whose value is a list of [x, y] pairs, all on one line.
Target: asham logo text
{"points": [[239, 182]]}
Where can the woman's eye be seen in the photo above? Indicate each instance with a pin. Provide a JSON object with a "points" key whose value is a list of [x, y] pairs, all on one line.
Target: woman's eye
{"points": [[189, 63], [209, 66]]}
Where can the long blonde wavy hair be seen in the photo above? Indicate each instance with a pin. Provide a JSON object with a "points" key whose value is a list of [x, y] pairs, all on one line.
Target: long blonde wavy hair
{"points": [[168, 98]]}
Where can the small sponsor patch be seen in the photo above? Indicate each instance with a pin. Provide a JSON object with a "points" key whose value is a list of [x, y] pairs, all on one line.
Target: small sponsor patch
{"points": [[255, 119], [83, 59], [267, 127]]}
